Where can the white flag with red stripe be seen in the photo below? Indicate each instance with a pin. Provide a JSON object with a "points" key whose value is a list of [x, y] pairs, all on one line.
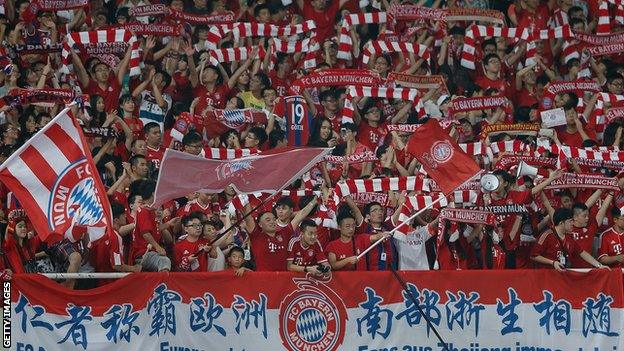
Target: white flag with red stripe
{"points": [[56, 182]]}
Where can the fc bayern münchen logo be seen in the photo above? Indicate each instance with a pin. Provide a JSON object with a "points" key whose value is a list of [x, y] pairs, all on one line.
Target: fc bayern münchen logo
{"points": [[441, 151], [312, 317], [74, 198]]}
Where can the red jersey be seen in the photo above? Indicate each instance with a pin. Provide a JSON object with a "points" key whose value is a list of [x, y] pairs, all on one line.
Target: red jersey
{"points": [[574, 139], [534, 20], [550, 246], [110, 94], [155, 155], [195, 206], [183, 249], [500, 84], [17, 256], [302, 255], [104, 258], [584, 237], [145, 222], [506, 216], [371, 136], [449, 257], [497, 254], [611, 243], [270, 253], [280, 85], [354, 247], [325, 20], [216, 98]]}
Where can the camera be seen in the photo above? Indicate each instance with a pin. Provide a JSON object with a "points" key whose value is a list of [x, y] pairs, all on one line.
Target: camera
{"points": [[322, 268]]}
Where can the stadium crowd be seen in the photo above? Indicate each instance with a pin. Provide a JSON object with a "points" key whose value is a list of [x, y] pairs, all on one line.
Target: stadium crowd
{"points": [[178, 89]]}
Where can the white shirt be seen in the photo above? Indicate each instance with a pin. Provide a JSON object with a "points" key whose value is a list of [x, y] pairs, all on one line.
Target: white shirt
{"points": [[411, 249]]}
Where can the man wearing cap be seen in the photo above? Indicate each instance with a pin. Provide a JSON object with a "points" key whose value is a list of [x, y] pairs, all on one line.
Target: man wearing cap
{"points": [[611, 251]]}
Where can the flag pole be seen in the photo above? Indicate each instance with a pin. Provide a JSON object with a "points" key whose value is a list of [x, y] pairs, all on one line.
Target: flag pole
{"points": [[405, 222]]}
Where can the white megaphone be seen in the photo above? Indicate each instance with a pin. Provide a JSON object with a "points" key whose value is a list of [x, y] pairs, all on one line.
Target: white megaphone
{"points": [[489, 182], [525, 169]]}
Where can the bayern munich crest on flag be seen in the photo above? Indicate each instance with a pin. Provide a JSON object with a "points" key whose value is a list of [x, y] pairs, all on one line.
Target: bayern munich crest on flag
{"points": [[313, 317], [74, 198]]}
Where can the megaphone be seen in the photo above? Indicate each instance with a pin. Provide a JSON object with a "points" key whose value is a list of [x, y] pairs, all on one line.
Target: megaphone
{"points": [[525, 169], [489, 182]]}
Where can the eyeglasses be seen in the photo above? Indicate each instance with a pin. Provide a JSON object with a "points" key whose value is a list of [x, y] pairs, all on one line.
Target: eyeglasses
{"points": [[194, 145], [194, 225]]}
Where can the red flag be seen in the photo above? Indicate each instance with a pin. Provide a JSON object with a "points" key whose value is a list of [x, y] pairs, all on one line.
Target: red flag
{"points": [[441, 157], [181, 173], [218, 122], [56, 182]]}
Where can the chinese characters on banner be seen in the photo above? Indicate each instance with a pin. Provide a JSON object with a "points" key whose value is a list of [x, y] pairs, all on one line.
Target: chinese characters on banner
{"points": [[473, 310]]}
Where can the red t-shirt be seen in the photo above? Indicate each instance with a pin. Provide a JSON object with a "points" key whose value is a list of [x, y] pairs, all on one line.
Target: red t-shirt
{"points": [[370, 136], [534, 20], [584, 237], [611, 244], [270, 253], [145, 222], [506, 221], [14, 254], [448, 257], [574, 139], [104, 258], [354, 247], [498, 255], [154, 155], [305, 256], [110, 94], [280, 85], [501, 84], [325, 20], [184, 248], [550, 246], [195, 206], [216, 98]]}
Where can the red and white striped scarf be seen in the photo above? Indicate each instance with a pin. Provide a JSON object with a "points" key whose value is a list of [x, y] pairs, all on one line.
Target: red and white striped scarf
{"points": [[604, 19], [473, 32], [246, 29], [353, 186], [103, 36], [416, 203], [511, 146], [220, 153], [233, 54], [559, 18], [474, 149], [309, 46], [345, 44], [561, 32], [380, 92], [383, 46], [583, 153]]}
